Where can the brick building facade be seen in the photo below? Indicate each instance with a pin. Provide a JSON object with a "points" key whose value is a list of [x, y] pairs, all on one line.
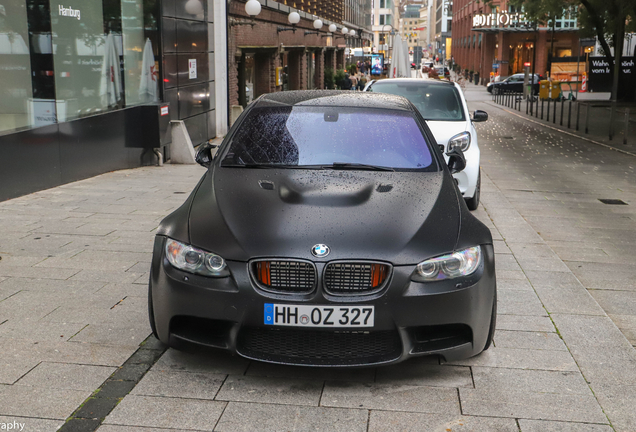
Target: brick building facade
{"points": [[255, 52], [488, 35]]}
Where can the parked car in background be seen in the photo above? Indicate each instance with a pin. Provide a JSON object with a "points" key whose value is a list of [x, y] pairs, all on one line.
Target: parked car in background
{"points": [[302, 245], [443, 106], [512, 84], [442, 71]]}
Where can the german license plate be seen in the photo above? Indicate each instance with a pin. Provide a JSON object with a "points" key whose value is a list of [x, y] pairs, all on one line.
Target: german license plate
{"points": [[318, 316]]}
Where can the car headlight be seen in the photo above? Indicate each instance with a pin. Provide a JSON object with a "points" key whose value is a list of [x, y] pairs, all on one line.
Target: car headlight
{"points": [[461, 140], [193, 260], [457, 264]]}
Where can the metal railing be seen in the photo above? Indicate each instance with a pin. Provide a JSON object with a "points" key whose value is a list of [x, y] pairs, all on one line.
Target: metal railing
{"points": [[590, 117]]}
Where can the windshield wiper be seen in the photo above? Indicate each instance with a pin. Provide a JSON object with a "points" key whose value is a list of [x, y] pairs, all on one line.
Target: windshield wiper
{"points": [[271, 166], [359, 166]]}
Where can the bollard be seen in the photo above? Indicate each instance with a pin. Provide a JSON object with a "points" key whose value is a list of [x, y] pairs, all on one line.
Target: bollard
{"points": [[531, 105], [536, 111], [526, 106], [542, 109], [587, 116], [554, 112], [569, 113], [562, 105], [578, 111], [626, 125], [547, 117]]}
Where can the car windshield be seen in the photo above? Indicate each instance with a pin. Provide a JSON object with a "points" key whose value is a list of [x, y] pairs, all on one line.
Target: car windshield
{"points": [[329, 137], [434, 101]]}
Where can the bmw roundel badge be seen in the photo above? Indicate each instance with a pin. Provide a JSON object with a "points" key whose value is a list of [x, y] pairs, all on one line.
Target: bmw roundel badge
{"points": [[320, 250]]}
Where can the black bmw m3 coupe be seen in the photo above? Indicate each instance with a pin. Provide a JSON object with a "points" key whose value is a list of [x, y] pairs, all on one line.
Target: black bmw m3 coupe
{"points": [[327, 231]]}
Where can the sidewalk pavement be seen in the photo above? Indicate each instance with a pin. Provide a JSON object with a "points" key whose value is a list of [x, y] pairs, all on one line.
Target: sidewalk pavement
{"points": [[594, 114], [73, 284]]}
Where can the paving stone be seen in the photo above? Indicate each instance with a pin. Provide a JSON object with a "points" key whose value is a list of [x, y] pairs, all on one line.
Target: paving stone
{"points": [[114, 428], [37, 272], [539, 406], [563, 293], [529, 340], [125, 290], [180, 384], [39, 331], [314, 373], [506, 262], [124, 334], [104, 276], [131, 372], [11, 369], [522, 359], [66, 376], [618, 402], [616, 302], [552, 426], [537, 381], [218, 362], [50, 285], [514, 284], [391, 397], [524, 323], [115, 389], [416, 373], [31, 424], [248, 417], [163, 412], [65, 352], [23, 401], [509, 274], [391, 421], [96, 408], [605, 357], [519, 303], [271, 390]]}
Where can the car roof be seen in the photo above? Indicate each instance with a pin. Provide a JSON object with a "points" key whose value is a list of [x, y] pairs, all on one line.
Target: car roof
{"points": [[339, 98], [430, 81]]}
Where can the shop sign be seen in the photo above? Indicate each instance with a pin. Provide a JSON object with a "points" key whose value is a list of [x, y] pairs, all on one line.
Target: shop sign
{"points": [[69, 12], [498, 19]]}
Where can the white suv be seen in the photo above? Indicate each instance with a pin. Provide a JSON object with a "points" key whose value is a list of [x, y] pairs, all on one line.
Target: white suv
{"points": [[443, 106]]}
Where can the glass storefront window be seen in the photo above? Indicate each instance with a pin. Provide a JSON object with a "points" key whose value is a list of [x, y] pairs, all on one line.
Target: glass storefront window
{"points": [[66, 59], [15, 68]]}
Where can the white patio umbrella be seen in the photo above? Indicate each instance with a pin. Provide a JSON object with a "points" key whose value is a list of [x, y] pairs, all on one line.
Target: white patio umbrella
{"points": [[110, 85], [148, 81]]}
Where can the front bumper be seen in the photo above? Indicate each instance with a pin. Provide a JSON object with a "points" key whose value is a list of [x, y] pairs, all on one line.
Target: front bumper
{"points": [[447, 318]]}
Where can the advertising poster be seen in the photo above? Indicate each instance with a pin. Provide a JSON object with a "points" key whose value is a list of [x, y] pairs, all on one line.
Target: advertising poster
{"points": [[377, 64], [600, 75]]}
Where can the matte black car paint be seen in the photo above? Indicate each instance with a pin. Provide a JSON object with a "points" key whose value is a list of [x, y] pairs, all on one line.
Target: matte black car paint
{"points": [[420, 217]]}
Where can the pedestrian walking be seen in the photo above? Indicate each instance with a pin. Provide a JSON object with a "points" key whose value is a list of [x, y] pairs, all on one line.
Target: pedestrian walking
{"points": [[346, 82], [354, 82]]}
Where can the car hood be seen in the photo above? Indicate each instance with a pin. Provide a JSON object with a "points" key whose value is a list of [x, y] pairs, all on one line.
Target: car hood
{"points": [[400, 217], [445, 130]]}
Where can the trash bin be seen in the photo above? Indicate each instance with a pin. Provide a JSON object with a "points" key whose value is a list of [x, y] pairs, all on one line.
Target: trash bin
{"points": [[544, 89], [555, 90]]}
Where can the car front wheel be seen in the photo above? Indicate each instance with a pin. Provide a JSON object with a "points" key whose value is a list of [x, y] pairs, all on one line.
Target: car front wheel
{"points": [[473, 202]]}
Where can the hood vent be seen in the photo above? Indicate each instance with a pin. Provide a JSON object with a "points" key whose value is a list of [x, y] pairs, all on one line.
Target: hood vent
{"points": [[384, 188], [267, 185]]}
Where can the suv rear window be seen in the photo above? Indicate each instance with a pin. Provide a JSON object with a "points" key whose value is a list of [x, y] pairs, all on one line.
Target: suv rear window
{"points": [[321, 136], [434, 101]]}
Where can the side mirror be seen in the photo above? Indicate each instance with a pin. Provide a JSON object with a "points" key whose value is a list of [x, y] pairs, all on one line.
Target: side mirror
{"points": [[204, 155], [480, 116], [456, 160]]}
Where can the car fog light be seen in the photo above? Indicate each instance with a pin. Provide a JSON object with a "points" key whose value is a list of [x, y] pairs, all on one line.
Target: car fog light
{"points": [[457, 264], [193, 260]]}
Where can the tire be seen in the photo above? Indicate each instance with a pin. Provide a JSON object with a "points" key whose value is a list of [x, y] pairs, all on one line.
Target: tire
{"points": [[151, 312], [493, 323], [473, 202]]}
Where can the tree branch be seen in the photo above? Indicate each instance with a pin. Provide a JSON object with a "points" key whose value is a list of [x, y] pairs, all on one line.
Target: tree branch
{"points": [[600, 32]]}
